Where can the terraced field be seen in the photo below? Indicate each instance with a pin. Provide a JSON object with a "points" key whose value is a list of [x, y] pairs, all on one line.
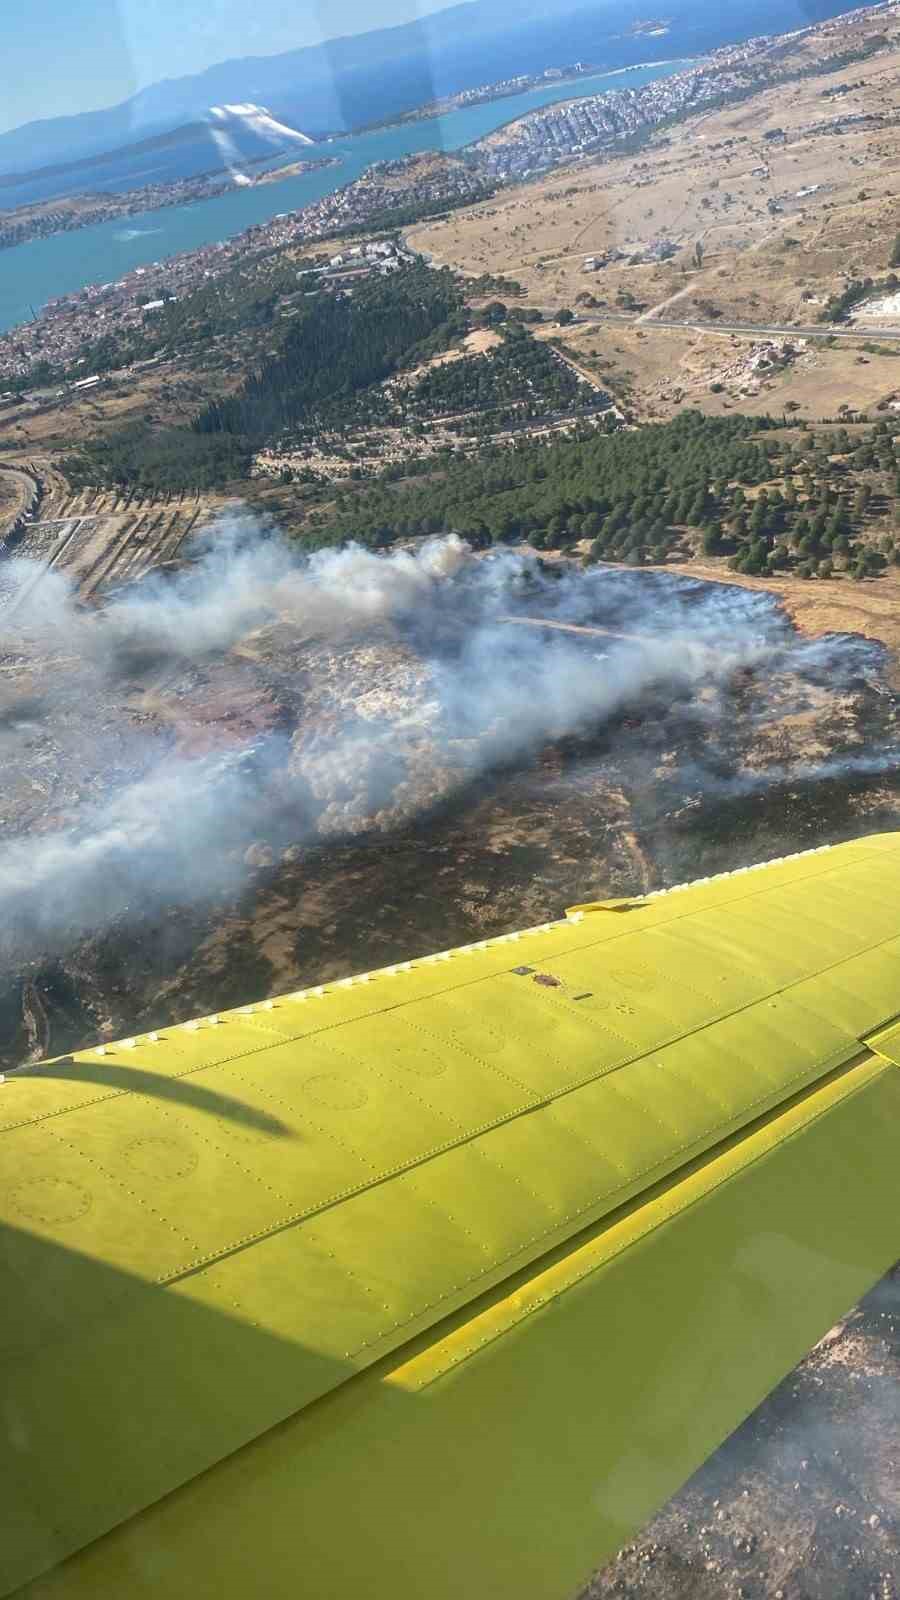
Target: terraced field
{"points": [[102, 540]]}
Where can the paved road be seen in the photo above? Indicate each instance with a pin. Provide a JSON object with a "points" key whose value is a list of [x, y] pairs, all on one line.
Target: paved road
{"points": [[821, 330], [22, 483], [28, 489]]}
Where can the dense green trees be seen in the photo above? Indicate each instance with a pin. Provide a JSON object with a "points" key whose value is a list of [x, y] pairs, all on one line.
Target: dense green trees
{"points": [[338, 347], [156, 460], [838, 306], [632, 496], [742, 487], [334, 348], [247, 296], [619, 490], [520, 379]]}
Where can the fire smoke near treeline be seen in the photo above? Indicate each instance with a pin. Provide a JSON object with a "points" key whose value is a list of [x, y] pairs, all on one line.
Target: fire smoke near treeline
{"points": [[429, 669]]}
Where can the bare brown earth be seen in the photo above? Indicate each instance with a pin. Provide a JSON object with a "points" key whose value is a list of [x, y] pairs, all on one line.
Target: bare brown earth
{"points": [[657, 371], [839, 605], [13, 497], [168, 392], [99, 539], [709, 181], [291, 170], [67, 206]]}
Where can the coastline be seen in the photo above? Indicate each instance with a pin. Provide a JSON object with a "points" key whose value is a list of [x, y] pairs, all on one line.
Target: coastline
{"points": [[301, 218], [432, 110], [689, 63], [87, 210]]}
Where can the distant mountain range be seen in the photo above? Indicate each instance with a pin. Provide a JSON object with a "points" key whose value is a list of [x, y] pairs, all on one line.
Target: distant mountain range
{"points": [[348, 83]]}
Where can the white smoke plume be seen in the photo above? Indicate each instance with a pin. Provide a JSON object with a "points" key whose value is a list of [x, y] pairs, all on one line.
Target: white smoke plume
{"points": [[494, 658], [239, 581]]}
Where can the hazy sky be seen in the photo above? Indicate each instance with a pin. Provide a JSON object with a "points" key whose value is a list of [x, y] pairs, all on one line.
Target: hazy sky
{"points": [[60, 56]]}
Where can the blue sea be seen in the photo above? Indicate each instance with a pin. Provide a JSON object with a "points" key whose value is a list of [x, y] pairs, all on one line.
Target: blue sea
{"points": [[34, 273]]}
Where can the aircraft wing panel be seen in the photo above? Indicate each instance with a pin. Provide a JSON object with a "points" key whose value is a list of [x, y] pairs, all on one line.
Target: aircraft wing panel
{"points": [[290, 1213]]}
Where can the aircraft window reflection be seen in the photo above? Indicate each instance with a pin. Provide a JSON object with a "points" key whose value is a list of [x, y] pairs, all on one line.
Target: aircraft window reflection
{"points": [[449, 758]]}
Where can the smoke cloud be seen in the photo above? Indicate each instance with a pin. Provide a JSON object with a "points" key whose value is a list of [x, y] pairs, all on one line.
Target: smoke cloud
{"points": [[406, 676]]}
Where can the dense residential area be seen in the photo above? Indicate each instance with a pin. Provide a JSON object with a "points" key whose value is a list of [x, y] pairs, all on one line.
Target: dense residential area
{"points": [[396, 194], [593, 123], [389, 193]]}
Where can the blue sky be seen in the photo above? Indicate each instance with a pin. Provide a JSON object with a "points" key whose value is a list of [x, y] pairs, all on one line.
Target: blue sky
{"points": [[61, 56]]}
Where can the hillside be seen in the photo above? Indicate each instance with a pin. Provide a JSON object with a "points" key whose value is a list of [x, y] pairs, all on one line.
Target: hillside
{"points": [[759, 213]]}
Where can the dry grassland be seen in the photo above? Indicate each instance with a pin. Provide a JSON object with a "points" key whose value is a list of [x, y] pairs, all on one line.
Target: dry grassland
{"points": [[710, 181], [837, 605], [659, 371]]}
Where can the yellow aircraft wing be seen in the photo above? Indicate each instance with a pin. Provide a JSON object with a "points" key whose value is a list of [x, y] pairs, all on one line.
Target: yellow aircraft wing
{"points": [[444, 1277]]}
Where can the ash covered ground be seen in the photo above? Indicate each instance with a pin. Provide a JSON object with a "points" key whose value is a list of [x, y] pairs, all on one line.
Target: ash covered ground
{"points": [[256, 773], [259, 772]]}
